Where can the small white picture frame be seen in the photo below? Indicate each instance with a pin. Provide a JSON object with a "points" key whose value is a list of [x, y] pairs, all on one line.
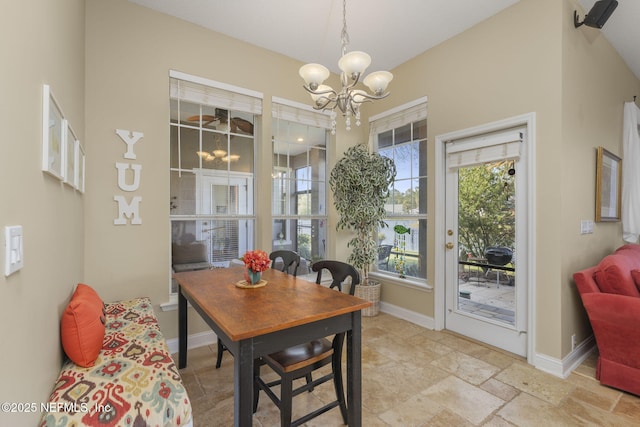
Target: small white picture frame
{"points": [[80, 167], [53, 129], [70, 162]]}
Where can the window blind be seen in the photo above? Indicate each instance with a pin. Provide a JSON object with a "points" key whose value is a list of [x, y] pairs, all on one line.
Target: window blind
{"points": [[398, 117], [485, 149], [208, 92], [299, 113]]}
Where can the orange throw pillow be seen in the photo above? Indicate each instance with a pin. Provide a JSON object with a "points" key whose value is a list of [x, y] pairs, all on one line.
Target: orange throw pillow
{"points": [[92, 296], [82, 326]]}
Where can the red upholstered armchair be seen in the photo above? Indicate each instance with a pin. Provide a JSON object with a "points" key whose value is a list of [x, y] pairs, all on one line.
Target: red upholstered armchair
{"points": [[610, 294]]}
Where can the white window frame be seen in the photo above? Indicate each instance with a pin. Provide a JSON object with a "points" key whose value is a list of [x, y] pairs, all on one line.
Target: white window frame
{"points": [[302, 114], [202, 91], [392, 119]]}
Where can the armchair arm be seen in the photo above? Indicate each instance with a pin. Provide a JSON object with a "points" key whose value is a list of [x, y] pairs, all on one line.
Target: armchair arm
{"points": [[615, 320]]}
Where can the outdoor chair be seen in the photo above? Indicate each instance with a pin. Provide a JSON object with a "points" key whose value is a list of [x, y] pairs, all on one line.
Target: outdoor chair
{"points": [[384, 253]]}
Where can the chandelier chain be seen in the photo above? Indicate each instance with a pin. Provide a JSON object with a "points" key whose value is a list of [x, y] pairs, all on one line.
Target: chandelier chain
{"points": [[344, 36]]}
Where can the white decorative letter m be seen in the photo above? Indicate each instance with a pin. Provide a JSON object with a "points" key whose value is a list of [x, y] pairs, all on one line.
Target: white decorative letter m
{"points": [[128, 210]]}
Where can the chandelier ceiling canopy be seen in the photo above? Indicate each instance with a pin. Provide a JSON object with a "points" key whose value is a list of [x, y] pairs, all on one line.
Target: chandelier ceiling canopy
{"points": [[348, 99]]}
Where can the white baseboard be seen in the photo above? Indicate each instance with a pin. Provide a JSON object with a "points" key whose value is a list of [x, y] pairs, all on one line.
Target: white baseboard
{"points": [[199, 339], [408, 315], [563, 368]]}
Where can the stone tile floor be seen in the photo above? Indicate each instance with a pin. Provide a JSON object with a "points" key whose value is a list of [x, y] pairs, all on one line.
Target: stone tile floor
{"points": [[413, 376]]}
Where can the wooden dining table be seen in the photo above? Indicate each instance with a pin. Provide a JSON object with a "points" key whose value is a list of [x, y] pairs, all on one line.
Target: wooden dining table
{"points": [[254, 322]]}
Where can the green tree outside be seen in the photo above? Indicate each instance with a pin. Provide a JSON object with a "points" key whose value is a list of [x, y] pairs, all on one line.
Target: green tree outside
{"points": [[486, 207]]}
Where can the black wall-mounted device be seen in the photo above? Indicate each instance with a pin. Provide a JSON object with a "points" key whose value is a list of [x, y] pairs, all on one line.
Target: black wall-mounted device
{"points": [[598, 15]]}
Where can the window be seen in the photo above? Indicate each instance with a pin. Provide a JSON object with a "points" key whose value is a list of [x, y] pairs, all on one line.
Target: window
{"points": [[211, 172], [402, 136], [299, 181]]}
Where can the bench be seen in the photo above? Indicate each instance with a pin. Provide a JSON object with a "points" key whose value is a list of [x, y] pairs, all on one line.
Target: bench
{"points": [[133, 380]]}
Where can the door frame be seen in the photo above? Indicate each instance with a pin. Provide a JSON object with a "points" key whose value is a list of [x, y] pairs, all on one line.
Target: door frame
{"points": [[529, 122]]}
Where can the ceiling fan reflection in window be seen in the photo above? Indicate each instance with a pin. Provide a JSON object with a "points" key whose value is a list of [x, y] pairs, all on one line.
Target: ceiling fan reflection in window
{"points": [[221, 119], [236, 124]]}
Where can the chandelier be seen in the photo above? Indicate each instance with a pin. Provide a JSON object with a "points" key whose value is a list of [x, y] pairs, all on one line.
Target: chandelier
{"points": [[348, 99], [205, 120], [219, 155]]}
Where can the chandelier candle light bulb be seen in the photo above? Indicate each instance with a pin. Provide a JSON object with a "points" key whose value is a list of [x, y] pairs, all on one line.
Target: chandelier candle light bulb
{"points": [[348, 99]]}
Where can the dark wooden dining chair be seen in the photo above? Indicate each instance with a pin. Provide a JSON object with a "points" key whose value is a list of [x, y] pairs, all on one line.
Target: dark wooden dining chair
{"points": [[339, 272], [289, 259], [301, 360]]}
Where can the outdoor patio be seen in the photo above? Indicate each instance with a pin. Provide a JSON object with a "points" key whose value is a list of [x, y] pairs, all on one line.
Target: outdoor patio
{"points": [[484, 295]]}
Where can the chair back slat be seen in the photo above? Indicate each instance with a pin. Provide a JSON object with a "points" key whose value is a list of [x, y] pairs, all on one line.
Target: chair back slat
{"points": [[339, 272], [289, 259]]}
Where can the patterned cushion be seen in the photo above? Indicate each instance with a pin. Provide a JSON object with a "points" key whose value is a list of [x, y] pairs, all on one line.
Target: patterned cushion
{"points": [[134, 380]]}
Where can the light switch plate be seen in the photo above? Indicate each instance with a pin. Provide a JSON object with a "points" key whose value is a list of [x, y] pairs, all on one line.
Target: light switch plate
{"points": [[586, 226], [14, 253]]}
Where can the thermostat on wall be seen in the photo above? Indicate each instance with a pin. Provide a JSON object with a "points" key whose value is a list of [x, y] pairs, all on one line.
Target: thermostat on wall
{"points": [[14, 254]]}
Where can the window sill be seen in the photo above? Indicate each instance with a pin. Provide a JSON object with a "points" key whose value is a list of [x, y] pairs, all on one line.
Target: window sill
{"points": [[408, 282]]}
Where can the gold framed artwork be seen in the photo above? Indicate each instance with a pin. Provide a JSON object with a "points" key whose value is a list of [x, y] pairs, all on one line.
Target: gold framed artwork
{"points": [[608, 186]]}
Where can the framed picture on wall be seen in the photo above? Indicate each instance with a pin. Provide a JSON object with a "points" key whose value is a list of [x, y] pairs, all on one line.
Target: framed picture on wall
{"points": [[80, 167], [52, 135], [608, 186], [69, 154]]}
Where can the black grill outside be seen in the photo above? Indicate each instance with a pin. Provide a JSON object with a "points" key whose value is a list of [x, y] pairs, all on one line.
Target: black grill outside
{"points": [[498, 255]]}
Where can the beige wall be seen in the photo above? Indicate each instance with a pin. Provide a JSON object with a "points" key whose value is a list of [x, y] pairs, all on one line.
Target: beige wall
{"points": [[42, 42], [130, 50], [504, 67], [595, 85], [576, 84], [529, 58]]}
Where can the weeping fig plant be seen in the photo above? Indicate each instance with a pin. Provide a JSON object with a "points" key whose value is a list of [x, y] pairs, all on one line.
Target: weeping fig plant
{"points": [[360, 182]]}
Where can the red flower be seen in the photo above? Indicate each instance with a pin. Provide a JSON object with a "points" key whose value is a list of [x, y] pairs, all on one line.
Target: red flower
{"points": [[256, 260]]}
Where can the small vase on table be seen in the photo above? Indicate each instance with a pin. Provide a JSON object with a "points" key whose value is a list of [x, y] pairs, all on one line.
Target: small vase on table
{"points": [[252, 277]]}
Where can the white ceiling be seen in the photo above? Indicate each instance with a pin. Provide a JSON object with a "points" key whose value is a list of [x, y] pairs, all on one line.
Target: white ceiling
{"points": [[391, 31]]}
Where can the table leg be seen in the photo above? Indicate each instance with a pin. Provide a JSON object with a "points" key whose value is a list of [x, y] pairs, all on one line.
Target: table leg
{"points": [[354, 371], [243, 385], [182, 330]]}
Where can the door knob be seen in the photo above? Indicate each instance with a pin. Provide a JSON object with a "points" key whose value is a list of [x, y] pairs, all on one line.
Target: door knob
{"points": [[449, 245]]}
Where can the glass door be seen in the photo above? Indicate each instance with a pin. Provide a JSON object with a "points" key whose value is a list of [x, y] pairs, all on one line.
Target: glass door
{"points": [[485, 293]]}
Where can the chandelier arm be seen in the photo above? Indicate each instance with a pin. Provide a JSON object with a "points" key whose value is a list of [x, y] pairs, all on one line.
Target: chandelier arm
{"points": [[369, 98], [319, 92], [322, 105]]}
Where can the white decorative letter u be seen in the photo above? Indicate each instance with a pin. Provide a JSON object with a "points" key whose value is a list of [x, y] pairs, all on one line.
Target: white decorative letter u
{"points": [[122, 169]]}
